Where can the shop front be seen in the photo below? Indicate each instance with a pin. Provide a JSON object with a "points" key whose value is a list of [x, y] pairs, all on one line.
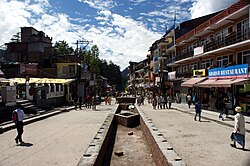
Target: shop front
{"points": [[228, 82], [190, 88]]}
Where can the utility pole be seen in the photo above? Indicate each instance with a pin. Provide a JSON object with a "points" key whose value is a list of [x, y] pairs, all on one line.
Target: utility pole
{"points": [[81, 42]]}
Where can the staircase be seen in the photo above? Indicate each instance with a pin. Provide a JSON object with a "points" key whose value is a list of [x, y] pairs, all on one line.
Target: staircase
{"points": [[30, 108]]}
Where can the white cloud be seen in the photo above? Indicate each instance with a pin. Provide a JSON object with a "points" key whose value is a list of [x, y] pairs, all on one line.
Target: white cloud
{"points": [[121, 40], [13, 15], [100, 4], [204, 7]]}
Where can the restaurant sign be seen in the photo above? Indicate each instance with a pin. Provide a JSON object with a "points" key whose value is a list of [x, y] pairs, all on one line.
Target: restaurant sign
{"points": [[236, 71]]}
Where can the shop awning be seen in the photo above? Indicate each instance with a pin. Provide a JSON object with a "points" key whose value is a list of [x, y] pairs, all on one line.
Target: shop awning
{"points": [[192, 81], [221, 82]]}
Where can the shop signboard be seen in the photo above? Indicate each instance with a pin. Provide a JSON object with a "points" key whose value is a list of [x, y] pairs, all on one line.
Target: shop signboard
{"points": [[199, 73], [247, 87], [198, 50], [172, 75], [236, 71], [28, 69]]}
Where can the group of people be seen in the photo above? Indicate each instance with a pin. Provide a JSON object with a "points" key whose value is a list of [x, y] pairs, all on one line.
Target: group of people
{"points": [[237, 135], [89, 102], [162, 102]]}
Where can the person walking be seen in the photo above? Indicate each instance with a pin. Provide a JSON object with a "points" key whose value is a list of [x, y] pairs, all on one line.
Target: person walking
{"points": [[189, 101], [169, 100], [159, 99], [80, 102], [154, 102], [220, 108], [238, 134], [75, 103], [17, 117], [197, 106], [225, 109]]}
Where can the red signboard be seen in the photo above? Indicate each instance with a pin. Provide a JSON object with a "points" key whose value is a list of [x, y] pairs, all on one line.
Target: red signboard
{"points": [[28, 69]]}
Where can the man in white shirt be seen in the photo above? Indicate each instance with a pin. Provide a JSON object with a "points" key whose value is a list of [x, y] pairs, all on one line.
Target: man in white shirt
{"points": [[19, 123], [238, 134]]}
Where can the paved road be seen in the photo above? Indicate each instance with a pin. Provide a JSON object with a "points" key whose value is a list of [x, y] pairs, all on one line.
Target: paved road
{"points": [[203, 143], [62, 139], [59, 140]]}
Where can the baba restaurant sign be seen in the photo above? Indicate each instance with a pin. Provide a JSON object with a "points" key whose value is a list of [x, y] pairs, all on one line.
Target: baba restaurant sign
{"points": [[239, 71]]}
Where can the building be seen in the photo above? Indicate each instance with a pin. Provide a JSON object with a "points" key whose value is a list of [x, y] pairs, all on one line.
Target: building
{"points": [[213, 58]]}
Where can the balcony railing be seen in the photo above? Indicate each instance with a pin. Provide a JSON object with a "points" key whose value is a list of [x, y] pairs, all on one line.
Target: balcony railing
{"points": [[235, 7], [232, 38]]}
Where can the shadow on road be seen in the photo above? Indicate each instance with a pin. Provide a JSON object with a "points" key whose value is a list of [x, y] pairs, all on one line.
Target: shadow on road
{"points": [[205, 121], [26, 144]]}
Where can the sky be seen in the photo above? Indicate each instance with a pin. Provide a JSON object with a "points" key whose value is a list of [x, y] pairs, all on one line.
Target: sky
{"points": [[123, 30]]}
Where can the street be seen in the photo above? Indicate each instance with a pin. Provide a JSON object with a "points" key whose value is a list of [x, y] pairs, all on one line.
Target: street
{"points": [[59, 140], [62, 139], [203, 143]]}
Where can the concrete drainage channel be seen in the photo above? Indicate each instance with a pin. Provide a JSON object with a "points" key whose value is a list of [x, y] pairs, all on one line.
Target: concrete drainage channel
{"points": [[128, 137]]}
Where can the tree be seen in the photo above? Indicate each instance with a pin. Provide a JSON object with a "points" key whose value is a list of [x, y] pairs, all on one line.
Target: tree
{"points": [[63, 48]]}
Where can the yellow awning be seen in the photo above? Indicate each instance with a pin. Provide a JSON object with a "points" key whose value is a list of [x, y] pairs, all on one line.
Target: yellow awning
{"points": [[40, 80]]}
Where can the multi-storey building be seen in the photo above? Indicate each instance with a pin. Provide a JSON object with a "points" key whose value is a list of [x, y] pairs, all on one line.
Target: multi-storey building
{"points": [[215, 56]]}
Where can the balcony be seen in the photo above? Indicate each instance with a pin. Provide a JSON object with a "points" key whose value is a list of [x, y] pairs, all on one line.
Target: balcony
{"points": [[230, 39], [222, 15]]}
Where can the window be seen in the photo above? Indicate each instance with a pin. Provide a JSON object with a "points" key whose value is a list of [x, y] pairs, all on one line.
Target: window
{"points": [[243, 57], [52, 88], [57, 87], [205, 63], [222, 61], [185, 68], [194, 66], [61, 87], [72, 69], [242, 29]]}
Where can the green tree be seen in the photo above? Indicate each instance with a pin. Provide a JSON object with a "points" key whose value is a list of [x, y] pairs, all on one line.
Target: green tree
{"points": [[63, 48]]}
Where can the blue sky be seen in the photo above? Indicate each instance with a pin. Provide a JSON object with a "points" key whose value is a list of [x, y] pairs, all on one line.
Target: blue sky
{"points": [[122, 29]]}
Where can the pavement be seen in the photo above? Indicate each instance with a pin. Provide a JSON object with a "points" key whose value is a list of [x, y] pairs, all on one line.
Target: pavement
{"points": [[202, 143], [198, 143], [211, 115]]}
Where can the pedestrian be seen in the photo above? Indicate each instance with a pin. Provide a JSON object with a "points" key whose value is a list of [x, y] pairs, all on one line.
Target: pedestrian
{"points": [[235, 104], [17, 117], [194, 99], [154, 102], [220, 108], [169, 100], [75, 103], [238, 134], [80, 102], [197, 106], [163, 102], [189, 101], [225, 101], [94, 103], [159, 98]]}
